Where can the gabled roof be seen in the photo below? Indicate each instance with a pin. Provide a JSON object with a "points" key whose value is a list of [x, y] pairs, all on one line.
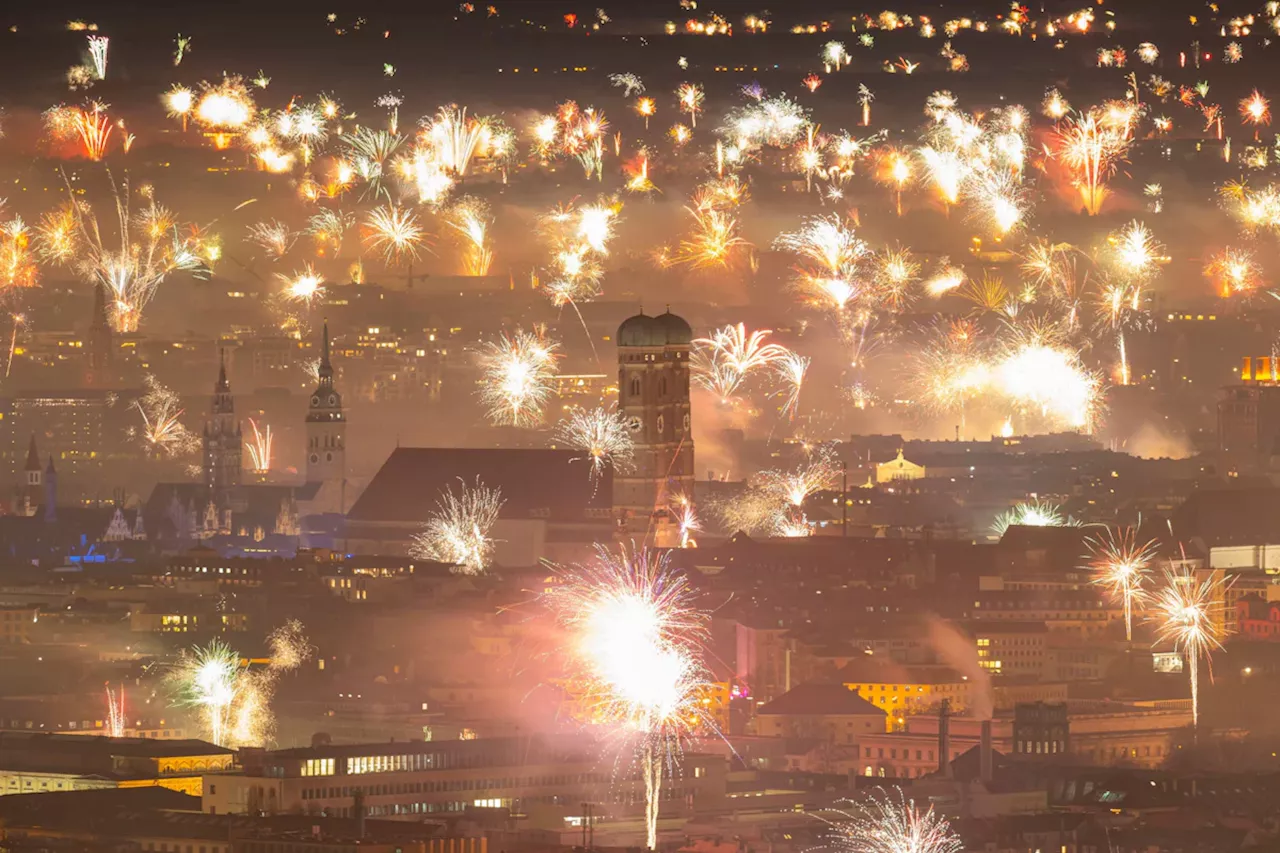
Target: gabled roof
{"points": [[821, 700], [533, 482]]}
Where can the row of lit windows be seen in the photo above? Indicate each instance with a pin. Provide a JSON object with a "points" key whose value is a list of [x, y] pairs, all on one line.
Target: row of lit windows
{"points": [[318, 767]]}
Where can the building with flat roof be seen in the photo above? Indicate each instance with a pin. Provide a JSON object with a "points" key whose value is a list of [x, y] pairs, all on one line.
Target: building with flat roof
{"points": [[42, 762], [546, 777]]}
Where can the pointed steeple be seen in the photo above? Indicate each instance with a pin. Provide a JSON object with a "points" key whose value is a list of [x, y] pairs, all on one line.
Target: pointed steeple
{"points": [[223, 386], [33, 455], [326, 367], [49, 469]]}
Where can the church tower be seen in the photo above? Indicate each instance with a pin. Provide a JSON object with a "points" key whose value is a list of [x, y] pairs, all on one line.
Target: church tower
{"points": [[223, 444], [653, 396], [326, 428], [98, 342], [33, 482]]}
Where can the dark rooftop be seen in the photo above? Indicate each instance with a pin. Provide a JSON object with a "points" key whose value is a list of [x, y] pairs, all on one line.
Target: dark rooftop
{"points": [[532, 481], [821, 699]]}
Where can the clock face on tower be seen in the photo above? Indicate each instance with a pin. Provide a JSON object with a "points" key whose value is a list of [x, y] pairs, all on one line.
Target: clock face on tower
{"points": [[634, 424], [661, 423]]}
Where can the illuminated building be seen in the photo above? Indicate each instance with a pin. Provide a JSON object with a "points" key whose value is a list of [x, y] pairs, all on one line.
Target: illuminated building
{"points": [[653, 395], [1249, 412], [898, 469], [831, 712], [34, 763], [83, 431], [545, 777], [1010, 648], [906, 690]]}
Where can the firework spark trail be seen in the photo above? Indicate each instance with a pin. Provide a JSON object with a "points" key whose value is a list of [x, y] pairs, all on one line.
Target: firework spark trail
{"points": [[831, 269], [260, 448], [329, 227], [458, 531], [273, 236], [456, 137], [116, 721], [602, 436], [685, 513], [370, 153], [635, 659], [517, 374], [470, 220], [1189, 613], [98, 56], [777, 122], [234, 701], [1119, 563], [690, 96], [1234, 271], [792, 369], [890, 823], [723, 361], [90, 125], [1035, 513], [152, 246], [394, 233], [162, 430], [1092, 147], [226, 106]]}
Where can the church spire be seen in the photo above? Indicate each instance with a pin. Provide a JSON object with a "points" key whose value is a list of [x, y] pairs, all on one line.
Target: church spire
{"points": [[223, 386], [326, 367], [33, 455]]}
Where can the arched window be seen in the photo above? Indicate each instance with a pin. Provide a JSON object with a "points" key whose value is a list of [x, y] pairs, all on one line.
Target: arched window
{"points": [[635, 386]]}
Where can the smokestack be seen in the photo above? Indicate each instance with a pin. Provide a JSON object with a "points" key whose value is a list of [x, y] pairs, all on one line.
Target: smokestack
{"points": [[359, 812], [984, 752], [944, 739]]}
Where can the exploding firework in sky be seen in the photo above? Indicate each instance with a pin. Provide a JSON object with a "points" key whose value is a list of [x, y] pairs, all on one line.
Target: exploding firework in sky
{"points": [[458, 532], [394, 233], [602, 436], [1119, 563], [517, 373], [723, 361], [1188, 613], [634, 659], [1032, 514], [162, 432], [231, 698], [152, 246], [260, 448], [886, 822]]}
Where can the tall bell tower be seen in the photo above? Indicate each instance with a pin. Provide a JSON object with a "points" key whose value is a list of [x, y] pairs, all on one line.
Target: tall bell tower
{"points": [[223, 443], [653, 397], [326, 427]]}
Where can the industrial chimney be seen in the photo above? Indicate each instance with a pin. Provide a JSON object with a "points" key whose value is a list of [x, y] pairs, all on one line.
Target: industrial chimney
{"points": [[944, 739], [984, 752]]}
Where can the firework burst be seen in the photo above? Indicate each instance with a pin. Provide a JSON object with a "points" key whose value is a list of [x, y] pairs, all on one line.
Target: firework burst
{"points": [[634, 659], [1188, 612], [518, 371], [458, 532], [233, 700], [163, 433], [602, 436], [890, 823], [1119, 563]]}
